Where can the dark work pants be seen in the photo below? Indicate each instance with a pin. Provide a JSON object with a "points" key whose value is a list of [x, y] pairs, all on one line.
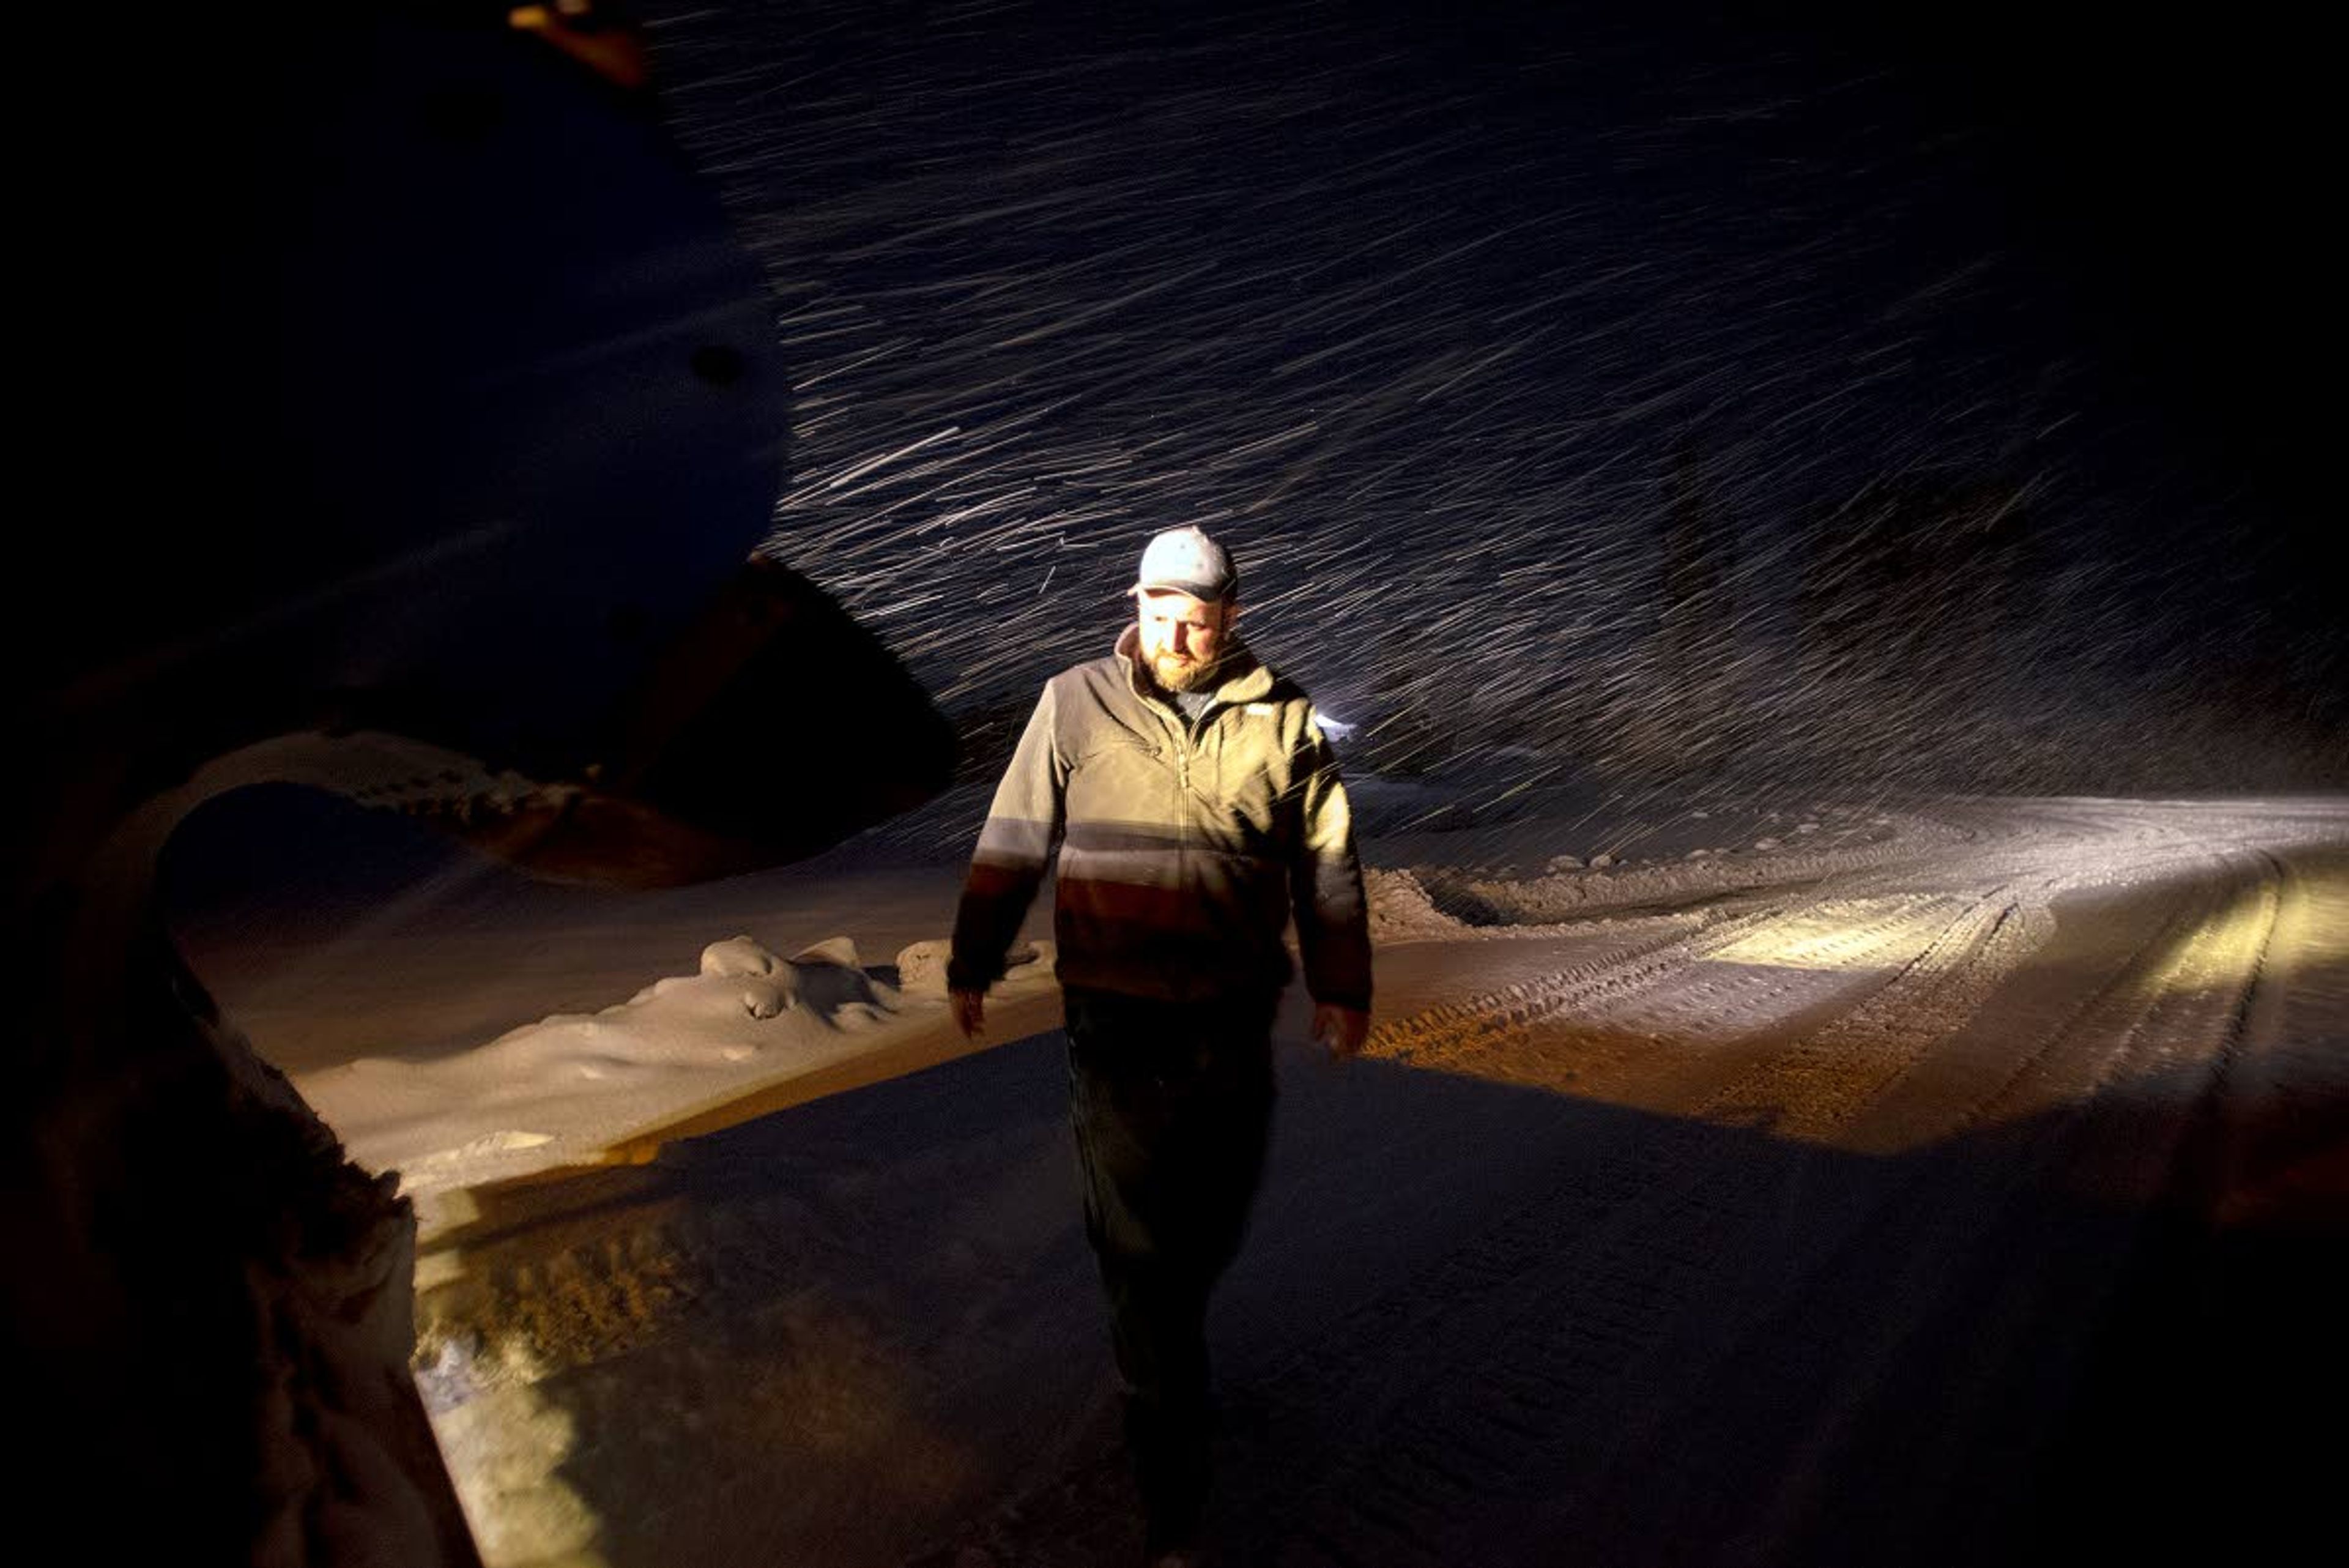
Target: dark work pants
{"points": [[1172, 1103]]}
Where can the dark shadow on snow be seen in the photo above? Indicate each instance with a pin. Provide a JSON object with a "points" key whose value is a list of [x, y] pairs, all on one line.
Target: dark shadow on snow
{"points": [[1480, 1323]]}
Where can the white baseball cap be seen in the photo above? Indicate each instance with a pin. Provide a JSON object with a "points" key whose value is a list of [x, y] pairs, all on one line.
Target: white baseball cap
{"points": [[1185, 561]]}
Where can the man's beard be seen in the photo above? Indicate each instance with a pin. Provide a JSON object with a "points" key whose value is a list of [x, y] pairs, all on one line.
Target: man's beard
{"points": [[1174, 674]]}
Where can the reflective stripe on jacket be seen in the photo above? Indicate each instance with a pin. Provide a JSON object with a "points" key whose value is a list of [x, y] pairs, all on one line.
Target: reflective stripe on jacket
{"points": [[1184, 847]]}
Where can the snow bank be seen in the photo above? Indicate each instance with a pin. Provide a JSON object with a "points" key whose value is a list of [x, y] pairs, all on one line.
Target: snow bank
{"points": [[565, 1089], [1693, 858], [1401, 910], [922, 967]]}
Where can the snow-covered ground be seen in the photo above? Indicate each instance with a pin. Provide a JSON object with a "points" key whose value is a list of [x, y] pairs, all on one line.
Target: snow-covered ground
{"points": [[1722, 1183], [731, 1036]]}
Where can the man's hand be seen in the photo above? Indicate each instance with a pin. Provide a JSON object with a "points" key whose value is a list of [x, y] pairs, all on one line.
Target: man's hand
{"points": [[969, 1013], [1340, 1030]]}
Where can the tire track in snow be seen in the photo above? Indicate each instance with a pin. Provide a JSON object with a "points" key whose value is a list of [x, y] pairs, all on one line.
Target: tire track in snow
{"points": [[1464, 1036], [1533, 1421], [1985, 1267], [2284, 1085], [1811, 1087]]}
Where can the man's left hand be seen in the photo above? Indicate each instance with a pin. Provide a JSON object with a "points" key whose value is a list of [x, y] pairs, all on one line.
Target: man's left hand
{"points": [[1340, 1030]]}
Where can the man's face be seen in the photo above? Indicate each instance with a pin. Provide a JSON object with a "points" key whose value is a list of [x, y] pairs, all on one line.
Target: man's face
{"points": [[1184, 638]]}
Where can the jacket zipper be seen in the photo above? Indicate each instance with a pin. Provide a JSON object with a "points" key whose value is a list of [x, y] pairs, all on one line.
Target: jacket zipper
{"points": [[1184, 732]]}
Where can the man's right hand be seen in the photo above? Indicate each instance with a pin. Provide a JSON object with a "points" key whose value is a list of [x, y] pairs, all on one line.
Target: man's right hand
{"points": [[969, 1012]]}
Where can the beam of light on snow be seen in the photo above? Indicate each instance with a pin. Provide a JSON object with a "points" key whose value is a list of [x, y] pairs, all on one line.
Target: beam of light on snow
{"points": [[2210, 956], [1846, 935]]}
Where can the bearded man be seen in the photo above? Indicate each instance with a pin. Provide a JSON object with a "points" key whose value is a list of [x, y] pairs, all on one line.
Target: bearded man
{"points": [[1194, 807]]}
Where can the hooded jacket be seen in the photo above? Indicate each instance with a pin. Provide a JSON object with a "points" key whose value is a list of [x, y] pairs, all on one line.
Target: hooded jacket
{"points": [[1184, 846]]}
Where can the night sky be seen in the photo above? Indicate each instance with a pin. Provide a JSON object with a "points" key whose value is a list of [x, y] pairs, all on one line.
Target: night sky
{"points": [[1674, 394]]}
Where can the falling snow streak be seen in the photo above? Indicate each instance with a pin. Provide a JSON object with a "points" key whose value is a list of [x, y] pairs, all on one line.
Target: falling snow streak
{"points": [[1657, 402]]}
